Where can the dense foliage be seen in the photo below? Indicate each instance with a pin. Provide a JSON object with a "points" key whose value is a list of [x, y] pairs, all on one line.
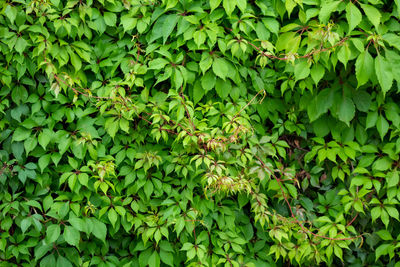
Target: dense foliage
{"points": [[199, 133]]}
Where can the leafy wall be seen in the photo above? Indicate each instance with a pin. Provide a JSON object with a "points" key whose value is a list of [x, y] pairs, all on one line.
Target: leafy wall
{"points": [[199, 133]]}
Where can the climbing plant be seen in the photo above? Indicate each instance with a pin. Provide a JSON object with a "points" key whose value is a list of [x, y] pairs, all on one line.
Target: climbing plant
{"points": [[199, 133]]}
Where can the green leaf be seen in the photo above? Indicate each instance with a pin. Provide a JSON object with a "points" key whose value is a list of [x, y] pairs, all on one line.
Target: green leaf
{"points": [[362, 100], [110, 19], [346, 110], [372, 117], [167, 257], [76, 62], [223, 88], [392, 179], [20, 134], [229, 6], [158, 63], [187, 246], [241, 4], [208, 81], [78, 224], [71, 236], [128, 23], [214, 4], [99, 229], [154, 259], [301, 70], [317, 72], [382, 250], [169, 25], [392, 211], [45, 137], [392, 39], [206, 62], [112, 216], [372, 13], [41, 249], [48, 261], [20, 45], [285, 40], [11, 12], [382, 126], [63, 262], [148, 186], [364, 68], [327, 9], [220, 67], [353, 16], [25, 224], [44, 162], [384, 235], [199, 37], [384, 73], [52, 233], [111, 126], [271, 24]]}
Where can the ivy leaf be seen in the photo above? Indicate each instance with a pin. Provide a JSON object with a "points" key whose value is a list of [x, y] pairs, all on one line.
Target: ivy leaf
{"points": [[229, 6], [63, 262], [199, 37], [45, 137], [154, 259], [128, 23], [111, 126], [206, 62], [382, 250], [76, 62], [362, 100], [110, 19], [382, 126], [398, 6], [364, 68], [372, 13], [99, 229], [71, 236], [346, 110], [52, 233], [220, 68], [301, 70], [241, 4], [25, 224], [44, 162], [393, 212], [41, 249], [11, 13], [384, 73], [392, 39], [157, 63], [317, 72], [21, 134], [384, 235], [392, 179], [271, 24], [214, 4], [326, 10], [169, 25], [20, 45], [353, 16], [167, 257], [223, 88], [112, 216]]}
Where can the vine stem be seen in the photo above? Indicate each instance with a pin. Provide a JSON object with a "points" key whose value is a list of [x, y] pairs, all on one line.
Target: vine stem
{"points": [[295, 218]]}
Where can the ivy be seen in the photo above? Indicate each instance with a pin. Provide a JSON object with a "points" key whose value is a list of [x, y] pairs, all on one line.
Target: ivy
{"points": [[199, 133]]}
